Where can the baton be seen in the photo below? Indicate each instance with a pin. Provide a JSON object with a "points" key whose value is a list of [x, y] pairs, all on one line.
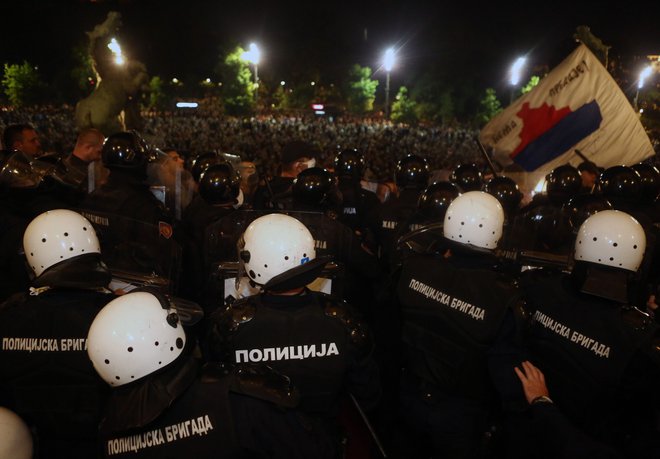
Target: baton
{"points": [[369, 426]]}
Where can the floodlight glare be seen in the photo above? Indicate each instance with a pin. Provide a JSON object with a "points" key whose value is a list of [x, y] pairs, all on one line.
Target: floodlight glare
{"points": [[643, 75], [116, 50], [516, 70], [388, 60]]}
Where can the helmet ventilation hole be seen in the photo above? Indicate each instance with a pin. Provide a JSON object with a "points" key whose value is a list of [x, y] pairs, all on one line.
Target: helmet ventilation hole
{"points": [[66, 234], [107, 362], [615, 245], [43, 240]]}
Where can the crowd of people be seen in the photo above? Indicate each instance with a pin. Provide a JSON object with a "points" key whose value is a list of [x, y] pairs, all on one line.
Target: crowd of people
{"points": [[279, 302]]}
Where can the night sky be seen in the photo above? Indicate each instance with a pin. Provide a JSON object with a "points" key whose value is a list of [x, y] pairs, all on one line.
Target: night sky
{"points": [[320, 39]]}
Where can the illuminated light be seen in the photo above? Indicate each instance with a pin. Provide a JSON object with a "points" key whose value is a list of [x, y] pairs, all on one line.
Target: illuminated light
{"points": [[317, 106], [187, 104], [388, 60], [319, 112], [312, 83], [208, 80], [252, 55], [516, 69], [641, 110], [175, 80], [643, 75], [540, 187], [282, 83], [116, 50]]}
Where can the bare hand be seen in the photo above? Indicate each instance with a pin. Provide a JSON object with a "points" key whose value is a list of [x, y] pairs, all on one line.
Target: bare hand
{"points": [[532, 380]]}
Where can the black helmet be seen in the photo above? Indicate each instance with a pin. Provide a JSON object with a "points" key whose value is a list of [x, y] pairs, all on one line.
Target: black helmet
{"points": [[125, 150], [412, 172], [506, 191], [650, 181], [467, 177], [220, 184], [563, 183], [435, 199], [583, 206], [621, 185], [349, 164], [548, 226], [312, 186], [202, 162]]}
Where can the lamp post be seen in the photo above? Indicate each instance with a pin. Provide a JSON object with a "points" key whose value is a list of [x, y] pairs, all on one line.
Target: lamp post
{"points": [[388, 63], [643, 75], [252, 55], [514, 78]]}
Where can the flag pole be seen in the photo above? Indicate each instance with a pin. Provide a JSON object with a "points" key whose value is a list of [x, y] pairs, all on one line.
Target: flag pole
{"points": [[483, 152]]}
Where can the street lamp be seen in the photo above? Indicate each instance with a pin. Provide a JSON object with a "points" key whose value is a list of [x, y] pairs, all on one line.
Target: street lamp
{"points": [[643, 75], [116, 50], [252, 55], [516, 70], [388, 63]]}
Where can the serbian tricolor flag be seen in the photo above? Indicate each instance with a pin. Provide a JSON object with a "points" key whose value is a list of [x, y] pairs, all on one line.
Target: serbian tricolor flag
{"points": [[577, 106]]}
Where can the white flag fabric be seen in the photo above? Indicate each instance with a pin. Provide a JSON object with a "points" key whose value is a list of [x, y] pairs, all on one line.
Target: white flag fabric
{"points": [[576, 106]]}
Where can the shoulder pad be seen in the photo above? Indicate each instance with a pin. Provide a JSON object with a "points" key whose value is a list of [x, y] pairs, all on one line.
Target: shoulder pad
{"points": [[340, 310], [241, 311], [636, 319], [264, 383]]}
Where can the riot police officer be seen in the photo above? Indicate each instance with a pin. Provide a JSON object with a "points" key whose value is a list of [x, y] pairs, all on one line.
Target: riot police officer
{"points": [[317, 341], [126, 192], [411, 176], [460, 319], [467, 177], [139, 347], [596, 349], [45, 375], [361, 209]]}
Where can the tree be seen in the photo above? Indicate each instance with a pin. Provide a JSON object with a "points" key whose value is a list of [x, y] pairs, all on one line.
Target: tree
{"points": [[22, 84], [83, 71], [489, 106], [404, 109], [533, 81], [601, 50], [237, 85], [361, 90], [157, 96]]}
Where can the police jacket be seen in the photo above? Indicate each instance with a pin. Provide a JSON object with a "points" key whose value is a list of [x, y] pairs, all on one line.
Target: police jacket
{"points": [[361, 210], [596, 354], [316, 341], [274, 194], [458, 319], [394, 211], [128, 196], [188, 411], [45, 373]]}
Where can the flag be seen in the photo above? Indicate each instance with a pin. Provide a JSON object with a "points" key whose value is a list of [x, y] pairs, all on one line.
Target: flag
{"points": [[577, 106]]}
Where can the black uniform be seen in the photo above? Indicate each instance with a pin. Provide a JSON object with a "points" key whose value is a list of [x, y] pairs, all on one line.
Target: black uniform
{"points": [[598, 360], [316, 341], [459, 334], [361, 211], [274, 194], [129, 196], [396, 210], [45, 374], [190, 412]]}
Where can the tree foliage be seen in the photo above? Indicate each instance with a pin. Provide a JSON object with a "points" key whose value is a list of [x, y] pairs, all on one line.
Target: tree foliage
{"points": [[533, 81], [361, 90], [404, 109], [22, 84], [157, 96], [489, 106], [601, 50], [237, 83]]}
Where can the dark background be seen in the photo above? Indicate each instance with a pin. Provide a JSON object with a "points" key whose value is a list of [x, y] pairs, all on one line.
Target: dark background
{"points": [[459, 40]]}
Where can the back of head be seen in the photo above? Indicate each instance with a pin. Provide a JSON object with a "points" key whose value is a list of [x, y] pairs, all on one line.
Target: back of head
{"points": [[650, 181], [563, 183], [611, 238], [202, 162], [412, 172], [435, 200], [296, 150], [312, 187], [467, 177], [15, 437], [349, 165], [506, 191], [475, 218], [56, 237], [621, 185], [12, 134], [125, 151], [583, 206], [274, 244], [134, 336], [220, 184]]}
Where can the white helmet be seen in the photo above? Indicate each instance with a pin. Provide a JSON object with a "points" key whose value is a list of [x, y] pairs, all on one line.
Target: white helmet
{"points": [[475, 218], [133, 336], [273, 244], [58, 235], [15, 437], [611, 238]]}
